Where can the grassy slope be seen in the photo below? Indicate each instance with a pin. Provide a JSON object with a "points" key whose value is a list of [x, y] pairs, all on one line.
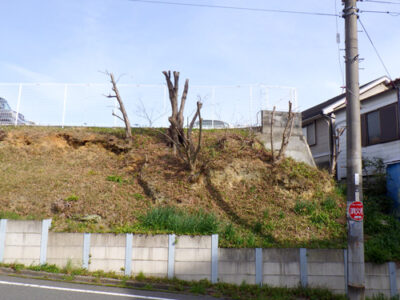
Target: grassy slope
{"points": [[93, 171]]}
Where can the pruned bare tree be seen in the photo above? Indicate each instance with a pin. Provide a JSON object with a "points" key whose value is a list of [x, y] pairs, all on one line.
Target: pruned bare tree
{"points": [[287, 133], [183, 144], [150, 116], [124, 118], [336, 149], [176, 119], [272, 135]]}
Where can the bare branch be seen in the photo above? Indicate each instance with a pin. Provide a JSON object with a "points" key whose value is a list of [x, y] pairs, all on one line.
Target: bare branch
{"points": [[272, 137], [115, 115], [128, 132], [286, 133]]}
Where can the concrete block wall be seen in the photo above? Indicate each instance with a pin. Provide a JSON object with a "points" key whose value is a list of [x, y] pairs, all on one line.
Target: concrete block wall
{"points": [[377, 279], [237, 266], [281, 267], [187, 258], [150, 255], [107, 252], [325, 268], [193, 257], [22, 242], [65, 247]]}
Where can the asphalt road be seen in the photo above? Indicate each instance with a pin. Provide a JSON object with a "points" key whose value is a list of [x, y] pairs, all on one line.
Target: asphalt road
{"points": [[17, 288]]}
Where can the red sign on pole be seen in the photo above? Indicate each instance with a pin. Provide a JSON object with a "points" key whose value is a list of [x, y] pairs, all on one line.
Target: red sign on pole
{"points": [[356, 211]]}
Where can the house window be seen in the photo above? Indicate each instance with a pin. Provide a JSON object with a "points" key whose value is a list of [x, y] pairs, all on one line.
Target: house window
{"points": [[309, 133], [380, 126]]}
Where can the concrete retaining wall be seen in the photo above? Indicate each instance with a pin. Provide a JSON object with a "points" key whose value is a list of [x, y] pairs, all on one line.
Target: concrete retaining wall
{"points": [[22, 242], [187, 258], [281, 267], [150, 255], [237, 266], [297, 148]]}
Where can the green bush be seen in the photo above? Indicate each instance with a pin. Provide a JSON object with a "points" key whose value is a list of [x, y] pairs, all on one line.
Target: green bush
{"points": [[176, 220], [382, 231]]}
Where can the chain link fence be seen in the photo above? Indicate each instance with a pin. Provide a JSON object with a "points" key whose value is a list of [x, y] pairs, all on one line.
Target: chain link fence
{"points": [[57, 104]]}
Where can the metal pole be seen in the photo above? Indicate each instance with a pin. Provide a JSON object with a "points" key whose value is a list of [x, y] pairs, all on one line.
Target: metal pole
{"points": [[18, 103], [213, 106], [65, 104], [356, 267], [251, 105]]}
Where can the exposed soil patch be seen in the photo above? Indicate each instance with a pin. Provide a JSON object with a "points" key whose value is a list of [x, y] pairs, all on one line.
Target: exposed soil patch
{"points": [[68, 174]]}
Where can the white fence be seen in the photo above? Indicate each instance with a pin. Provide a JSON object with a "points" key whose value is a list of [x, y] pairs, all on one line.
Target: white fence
{"points": [[69, 104]]}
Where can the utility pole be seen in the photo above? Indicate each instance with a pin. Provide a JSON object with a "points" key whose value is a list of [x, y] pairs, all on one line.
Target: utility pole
{"points": [[355, 252]]}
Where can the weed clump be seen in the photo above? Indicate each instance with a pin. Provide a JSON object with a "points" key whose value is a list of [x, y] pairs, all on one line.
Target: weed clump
{"points": [[171, 219]]}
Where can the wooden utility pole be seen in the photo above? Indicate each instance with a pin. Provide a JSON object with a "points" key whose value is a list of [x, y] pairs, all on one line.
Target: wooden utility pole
{"points": [[355, 252]]}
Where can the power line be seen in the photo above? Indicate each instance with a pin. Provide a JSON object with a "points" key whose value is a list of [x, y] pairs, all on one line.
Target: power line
{"points": [[238, 8], [381, 2], [392, 13], [373, 45]]}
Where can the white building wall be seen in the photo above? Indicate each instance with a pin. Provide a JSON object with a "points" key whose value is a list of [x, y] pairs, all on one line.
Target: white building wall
{"points": [[389, 152]]}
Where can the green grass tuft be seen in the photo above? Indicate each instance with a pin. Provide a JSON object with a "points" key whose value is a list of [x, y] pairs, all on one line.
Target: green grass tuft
{"points": [[171, 219]]}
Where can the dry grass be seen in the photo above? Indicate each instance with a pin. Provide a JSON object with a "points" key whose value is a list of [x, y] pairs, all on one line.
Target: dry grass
{"points": [[98, 174]]}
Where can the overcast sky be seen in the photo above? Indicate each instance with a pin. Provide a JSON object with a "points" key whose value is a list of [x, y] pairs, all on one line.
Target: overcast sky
{"points": [[70, 41]]}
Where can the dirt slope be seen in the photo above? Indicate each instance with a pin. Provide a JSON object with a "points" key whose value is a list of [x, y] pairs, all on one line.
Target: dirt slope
{"points": [[75, 173]]}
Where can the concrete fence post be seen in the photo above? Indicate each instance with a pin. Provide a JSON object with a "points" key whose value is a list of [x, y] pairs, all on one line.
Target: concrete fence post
{"points": [[128, 254], [303, 267], [3, 229], [346, 278], [214, 258], [171, 256], [86, 251], [259, 266], [392, 279], [43, 241]]}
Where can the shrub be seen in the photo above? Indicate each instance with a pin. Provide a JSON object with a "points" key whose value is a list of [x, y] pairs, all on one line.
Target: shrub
{"points": [[176, 220]]}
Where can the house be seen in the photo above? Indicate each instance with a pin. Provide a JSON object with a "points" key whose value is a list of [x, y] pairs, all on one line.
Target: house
{"points": [[380, 125]]}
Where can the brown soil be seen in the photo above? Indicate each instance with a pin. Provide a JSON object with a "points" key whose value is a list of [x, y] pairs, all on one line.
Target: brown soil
{"points": [[41, 168]]}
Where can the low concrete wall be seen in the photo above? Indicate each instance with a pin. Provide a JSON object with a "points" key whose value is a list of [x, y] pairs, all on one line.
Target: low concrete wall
{"points": [[64, 248], [281, 267], [187, 258], [150, 255], [377, 279], [22, 242], [107, 252], [325, 267], [193, 257], [237, 266]]}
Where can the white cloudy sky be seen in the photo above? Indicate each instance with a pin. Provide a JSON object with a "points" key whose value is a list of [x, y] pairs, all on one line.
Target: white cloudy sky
{"points": [[70, 41]]}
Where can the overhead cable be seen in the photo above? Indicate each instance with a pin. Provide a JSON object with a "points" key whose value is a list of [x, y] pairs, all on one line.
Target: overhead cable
{"points": [[391, 13], [238, 8], [373, 45]]}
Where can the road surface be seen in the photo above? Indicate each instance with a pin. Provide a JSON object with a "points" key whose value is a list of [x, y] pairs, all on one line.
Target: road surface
{"points": [[17, 288]]}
